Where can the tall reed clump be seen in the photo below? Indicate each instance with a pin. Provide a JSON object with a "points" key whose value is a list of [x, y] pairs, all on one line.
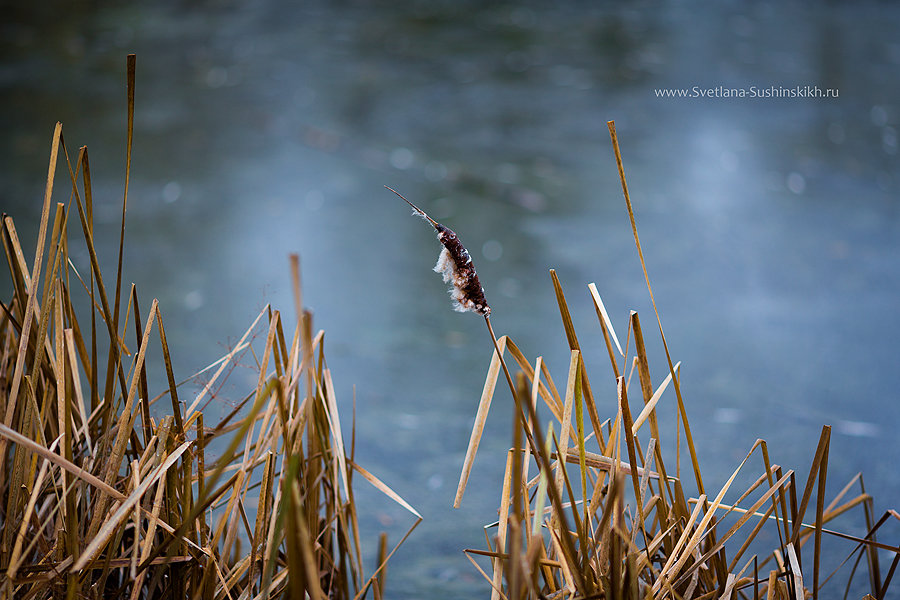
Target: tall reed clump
{"points": [[101, 499], [590, 507]]}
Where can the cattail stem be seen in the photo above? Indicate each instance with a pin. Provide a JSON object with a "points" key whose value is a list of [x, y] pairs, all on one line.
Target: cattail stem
{"points": [[539, 452], [535, 449], [512, 387]]}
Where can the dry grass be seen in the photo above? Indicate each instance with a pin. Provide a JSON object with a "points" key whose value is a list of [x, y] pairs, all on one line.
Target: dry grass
{"points": [[101, 499], [618, 522]]}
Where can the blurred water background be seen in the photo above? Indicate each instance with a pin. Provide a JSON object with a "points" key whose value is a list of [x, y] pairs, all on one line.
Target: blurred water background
{"points": [[770, 225]]}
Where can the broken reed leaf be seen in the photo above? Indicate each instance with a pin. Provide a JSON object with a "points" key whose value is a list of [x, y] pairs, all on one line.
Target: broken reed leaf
{"points": [[455, 265], [484, 406]]}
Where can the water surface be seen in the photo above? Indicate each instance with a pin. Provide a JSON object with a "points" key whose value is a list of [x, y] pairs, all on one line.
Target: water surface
{"points": [[769, 225]]}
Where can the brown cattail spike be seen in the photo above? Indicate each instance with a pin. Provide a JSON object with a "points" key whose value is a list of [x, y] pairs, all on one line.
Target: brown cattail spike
{"points": [[457, 268]]}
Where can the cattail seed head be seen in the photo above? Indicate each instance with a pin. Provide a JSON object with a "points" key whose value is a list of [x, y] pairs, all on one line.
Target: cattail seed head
{"points": [[456, 266]]}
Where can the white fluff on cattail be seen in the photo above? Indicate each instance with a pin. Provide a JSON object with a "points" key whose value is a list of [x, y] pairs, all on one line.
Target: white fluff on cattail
{"points": [[446, 266]]}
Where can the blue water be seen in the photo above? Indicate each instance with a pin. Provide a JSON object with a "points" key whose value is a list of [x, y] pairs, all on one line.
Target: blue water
{"points": [[769, 225]]}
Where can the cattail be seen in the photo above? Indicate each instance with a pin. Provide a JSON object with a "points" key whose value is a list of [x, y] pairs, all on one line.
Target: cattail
{"points": [[456, 265], [457, 268]]}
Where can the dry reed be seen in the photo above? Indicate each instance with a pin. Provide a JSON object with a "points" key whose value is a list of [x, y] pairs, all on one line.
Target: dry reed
{"points": [[618, 523], [101, 499]]}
